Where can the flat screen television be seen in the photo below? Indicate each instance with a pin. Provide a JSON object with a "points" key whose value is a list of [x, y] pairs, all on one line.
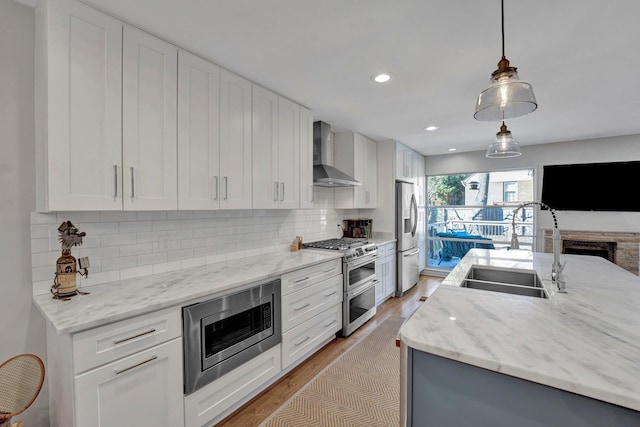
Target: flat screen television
{"points": [[592, 187]]}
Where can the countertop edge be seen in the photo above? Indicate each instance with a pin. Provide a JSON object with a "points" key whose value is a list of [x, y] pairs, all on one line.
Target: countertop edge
{"points": [[51, 309]]}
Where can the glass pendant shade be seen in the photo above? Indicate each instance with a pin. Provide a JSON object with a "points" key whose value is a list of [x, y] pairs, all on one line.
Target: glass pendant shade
{"points": [[507, 97], [504, 146]]}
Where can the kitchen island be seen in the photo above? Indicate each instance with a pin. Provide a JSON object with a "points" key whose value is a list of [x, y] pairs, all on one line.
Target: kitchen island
{"points": [[500, 359]]}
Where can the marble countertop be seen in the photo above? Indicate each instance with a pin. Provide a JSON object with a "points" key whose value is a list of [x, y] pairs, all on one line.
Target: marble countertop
{"points": [[115, 301], [586, 341]]}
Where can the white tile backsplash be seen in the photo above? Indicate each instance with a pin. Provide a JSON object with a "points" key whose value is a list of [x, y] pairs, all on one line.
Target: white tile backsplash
{"points": [[123, 245]]}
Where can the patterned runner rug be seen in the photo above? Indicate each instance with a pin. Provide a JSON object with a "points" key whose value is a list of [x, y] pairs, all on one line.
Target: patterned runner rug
{"points": [[360, 388]]}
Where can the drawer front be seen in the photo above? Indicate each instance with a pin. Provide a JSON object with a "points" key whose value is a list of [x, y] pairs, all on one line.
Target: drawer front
{"points": [[386, 249], [213, 401], [309, 276], [390, 249], [306, 303], [303, 338], [108, 343]]}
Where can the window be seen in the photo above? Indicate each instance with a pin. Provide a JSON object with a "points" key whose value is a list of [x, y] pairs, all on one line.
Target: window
{"points": [[510, 191], [475, 210]]}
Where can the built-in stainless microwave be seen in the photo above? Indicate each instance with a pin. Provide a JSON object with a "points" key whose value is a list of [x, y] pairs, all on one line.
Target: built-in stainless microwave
{"points": [[223, 333]]}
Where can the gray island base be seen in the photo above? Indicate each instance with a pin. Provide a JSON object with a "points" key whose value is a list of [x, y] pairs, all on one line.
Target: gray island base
{"points": [[447, 393]]}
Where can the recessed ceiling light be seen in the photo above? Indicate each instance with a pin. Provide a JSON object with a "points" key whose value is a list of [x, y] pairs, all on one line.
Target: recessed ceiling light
{"points": [[452, 149], [381, 77], [431, 128]]}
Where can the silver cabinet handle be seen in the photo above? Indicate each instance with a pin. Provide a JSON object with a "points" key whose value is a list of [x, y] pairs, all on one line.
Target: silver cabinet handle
{"points": [[311, 193], [307, 338], [300, 308], [275, 191], [115, 180], [301, 280], [332, 293], [215, 185], [332, 322], [151, 359], [150, 331], [226, 188], [282, 192], [133, 187]]}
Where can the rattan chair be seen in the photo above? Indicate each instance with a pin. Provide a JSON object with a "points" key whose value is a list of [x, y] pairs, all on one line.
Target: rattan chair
{"points": [[21, 379]]}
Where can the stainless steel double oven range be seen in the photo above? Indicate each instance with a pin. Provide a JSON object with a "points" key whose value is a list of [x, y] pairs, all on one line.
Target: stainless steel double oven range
{"points": [[359, 276]]}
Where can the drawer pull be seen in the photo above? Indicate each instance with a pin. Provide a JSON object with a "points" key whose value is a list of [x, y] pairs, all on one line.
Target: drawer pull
{"points": [[304, 306], [326, 325], [151, 359], [303, 341], [116, 342], [329, 270], [332, 293], [301, 280]]}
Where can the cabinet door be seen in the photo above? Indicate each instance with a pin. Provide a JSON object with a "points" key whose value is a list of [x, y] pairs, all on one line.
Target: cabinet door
{"points": [[79, 150], [359, 145], [370, 174], [289, 153], [144, 389], [235, 141], [198, 133], [390, 275], [306, 158], [149, 135], [380, 278], [266, 185]]}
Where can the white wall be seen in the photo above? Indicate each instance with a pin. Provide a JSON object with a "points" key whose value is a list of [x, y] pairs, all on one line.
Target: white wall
{"points": [[614, 149], [21, 325]]}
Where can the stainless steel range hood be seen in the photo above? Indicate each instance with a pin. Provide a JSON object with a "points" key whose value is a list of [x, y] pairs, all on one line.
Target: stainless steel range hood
{"points": [[324, 174]]}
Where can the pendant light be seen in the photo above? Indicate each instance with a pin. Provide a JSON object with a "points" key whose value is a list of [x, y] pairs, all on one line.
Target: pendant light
{"points": [[507, 97], [504, 146]]}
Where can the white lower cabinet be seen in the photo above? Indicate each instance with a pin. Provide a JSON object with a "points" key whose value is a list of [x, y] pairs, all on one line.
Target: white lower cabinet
{"points": [[303, 338], [385, 272], [217, 399], [311, 309], [140, 390]]}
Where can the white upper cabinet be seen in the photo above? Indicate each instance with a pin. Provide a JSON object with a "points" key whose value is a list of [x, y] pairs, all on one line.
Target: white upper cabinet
{"points": [[149, 123], [356, 155], [78, 115], [198, 133], [404, 164], [276, 155], [306, 158], [289, 153], [235, 141]]}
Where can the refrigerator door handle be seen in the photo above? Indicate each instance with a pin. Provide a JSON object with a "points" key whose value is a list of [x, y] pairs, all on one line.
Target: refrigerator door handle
{"points": [[414, 211], [412, 253]]}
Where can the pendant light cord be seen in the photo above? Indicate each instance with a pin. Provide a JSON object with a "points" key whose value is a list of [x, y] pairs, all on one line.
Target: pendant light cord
{"points": [[502, 9]]}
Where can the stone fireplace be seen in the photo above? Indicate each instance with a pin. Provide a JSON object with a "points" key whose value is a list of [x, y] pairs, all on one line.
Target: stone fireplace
{"points": [[621, 248]]}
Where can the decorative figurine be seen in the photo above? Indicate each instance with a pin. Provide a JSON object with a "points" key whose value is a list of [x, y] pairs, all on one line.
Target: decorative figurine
{"points": [[64, 283]]}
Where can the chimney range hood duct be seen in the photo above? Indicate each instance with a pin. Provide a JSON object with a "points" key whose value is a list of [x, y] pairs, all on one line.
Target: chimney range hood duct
{"points": [[324, 174]]}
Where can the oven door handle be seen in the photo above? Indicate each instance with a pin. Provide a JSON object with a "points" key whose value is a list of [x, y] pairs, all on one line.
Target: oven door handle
{"points": [[362, 288], [362, 261]]}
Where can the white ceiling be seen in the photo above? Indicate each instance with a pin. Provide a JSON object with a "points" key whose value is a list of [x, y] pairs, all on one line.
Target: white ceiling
{"points": [[581, 56]]}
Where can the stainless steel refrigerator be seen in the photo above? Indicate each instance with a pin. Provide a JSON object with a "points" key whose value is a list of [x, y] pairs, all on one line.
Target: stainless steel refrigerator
{"points": [[407, 238]]}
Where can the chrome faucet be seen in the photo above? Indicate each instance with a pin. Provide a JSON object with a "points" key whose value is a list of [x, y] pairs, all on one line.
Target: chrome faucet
{"points": [[556, 267]]}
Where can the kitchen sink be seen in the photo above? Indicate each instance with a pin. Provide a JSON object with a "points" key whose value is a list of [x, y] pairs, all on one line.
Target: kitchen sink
{"points": [[519, 282]]}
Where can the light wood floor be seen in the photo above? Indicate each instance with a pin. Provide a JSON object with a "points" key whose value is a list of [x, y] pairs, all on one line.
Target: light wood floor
{"points": [[263, 405]]}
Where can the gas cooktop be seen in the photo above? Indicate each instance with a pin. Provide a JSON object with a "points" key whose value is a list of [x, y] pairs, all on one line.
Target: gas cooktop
{"points": [[351, 249], [336, 244]]}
